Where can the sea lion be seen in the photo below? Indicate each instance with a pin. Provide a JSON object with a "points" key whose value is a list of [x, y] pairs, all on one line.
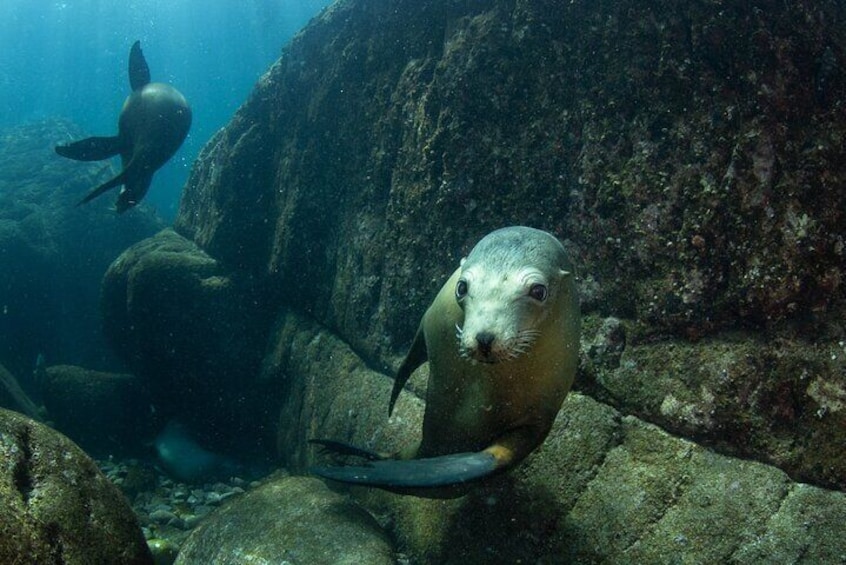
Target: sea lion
{"points": [[153, 124], [502, 341]]}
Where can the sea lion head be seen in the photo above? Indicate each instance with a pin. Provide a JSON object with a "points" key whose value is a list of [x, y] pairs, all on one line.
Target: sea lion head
{"points": [[509, 290]]}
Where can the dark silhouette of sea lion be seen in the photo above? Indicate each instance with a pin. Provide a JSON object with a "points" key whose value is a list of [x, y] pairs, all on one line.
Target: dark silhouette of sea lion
{"points": [[153, 124]]}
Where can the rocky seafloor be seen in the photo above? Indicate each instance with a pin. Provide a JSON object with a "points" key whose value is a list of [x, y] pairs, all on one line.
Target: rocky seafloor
{"points": [[167, 509]]}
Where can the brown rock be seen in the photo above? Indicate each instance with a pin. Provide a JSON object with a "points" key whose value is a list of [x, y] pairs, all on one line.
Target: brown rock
{"points": [[55, 504], [289, 519]]}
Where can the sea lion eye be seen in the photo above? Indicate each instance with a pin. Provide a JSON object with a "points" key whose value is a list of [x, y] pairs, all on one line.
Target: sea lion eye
{"points": [[539, 292], [460, 289]]}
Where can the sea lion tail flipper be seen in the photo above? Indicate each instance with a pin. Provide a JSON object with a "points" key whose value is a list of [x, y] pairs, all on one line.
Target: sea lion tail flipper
{"points": [[402, 475], [117, 181], [91, 149], [416, 356], [136, 186], [139, 72], [329, 446]]}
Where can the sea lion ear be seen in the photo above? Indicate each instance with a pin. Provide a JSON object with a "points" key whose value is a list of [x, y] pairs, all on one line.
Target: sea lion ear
{"points": [[461, 263]]}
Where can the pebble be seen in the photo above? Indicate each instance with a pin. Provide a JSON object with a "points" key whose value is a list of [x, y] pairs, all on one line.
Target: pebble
{"points": [[170, 509]]}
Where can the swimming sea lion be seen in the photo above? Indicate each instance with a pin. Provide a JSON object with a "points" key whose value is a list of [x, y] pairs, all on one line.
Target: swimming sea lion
{"points": [[502, 341], [153, 124]]}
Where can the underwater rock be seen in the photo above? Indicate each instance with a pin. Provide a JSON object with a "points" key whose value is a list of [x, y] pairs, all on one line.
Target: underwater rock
{"points": [[604, 487], [53, 255], [55, 504], [193, 332], [697, 187], [292, 519], [105, 413], [782, 401], [685, 155]]}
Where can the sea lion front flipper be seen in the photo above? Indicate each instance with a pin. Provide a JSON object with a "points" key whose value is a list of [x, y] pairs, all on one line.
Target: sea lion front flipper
{"points": [[91, 148], [139, 72], [402, 475], [415, 357]]}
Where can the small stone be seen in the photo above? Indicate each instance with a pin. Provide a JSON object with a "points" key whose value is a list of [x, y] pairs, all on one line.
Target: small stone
{"points": [[191, 521], [163, 516]]}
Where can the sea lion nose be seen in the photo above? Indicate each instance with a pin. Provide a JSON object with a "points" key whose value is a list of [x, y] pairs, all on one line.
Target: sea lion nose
{"points": [[484, 341]]}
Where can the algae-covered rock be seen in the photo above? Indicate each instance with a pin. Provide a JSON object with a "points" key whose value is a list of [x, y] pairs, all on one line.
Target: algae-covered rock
{"points": [[690, 155], [288, 520], [192, 331], [781, 401], [55, 504], [602, 488]]}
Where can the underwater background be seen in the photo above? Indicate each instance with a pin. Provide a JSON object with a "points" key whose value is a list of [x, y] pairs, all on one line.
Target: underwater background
{"points": [[169, 367], [68, 59]]}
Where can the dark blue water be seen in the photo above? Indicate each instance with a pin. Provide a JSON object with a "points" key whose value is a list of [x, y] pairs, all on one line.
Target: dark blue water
{"points": [[69, 59]]}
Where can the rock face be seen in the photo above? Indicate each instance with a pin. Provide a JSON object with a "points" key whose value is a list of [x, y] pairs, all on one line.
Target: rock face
{"points": [[53, 255], [291, 519], [603, 488], [57, 507], [689, 156]]}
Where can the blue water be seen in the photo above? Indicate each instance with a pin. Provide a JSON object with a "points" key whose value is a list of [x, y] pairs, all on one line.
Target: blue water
{"points": [[69, 59]]}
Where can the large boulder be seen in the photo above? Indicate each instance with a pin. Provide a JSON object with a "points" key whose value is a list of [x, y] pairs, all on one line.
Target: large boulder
{"points": [[55, 504], [604, 487], [288, 519], [193, 332], [781, 401], [53, 254], [690, 156]]}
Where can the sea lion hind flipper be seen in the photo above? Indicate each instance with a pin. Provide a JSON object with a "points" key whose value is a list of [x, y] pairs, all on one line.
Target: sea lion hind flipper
{"points": [[91, 148], [139, 72], [433, 472], [333, 447], [109, 184], [416, 356]]}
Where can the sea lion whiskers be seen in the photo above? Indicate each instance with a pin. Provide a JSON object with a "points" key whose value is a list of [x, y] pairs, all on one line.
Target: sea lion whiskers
{"points": [[522, 343]]}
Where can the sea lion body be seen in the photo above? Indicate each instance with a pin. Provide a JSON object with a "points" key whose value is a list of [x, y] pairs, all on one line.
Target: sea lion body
{"points": [[153, 123], [502, 341]]}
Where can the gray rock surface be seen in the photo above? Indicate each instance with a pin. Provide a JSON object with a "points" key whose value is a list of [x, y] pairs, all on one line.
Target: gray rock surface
{"points": [[288, 520], [56, 506], [690, 158], [604, 487]]}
